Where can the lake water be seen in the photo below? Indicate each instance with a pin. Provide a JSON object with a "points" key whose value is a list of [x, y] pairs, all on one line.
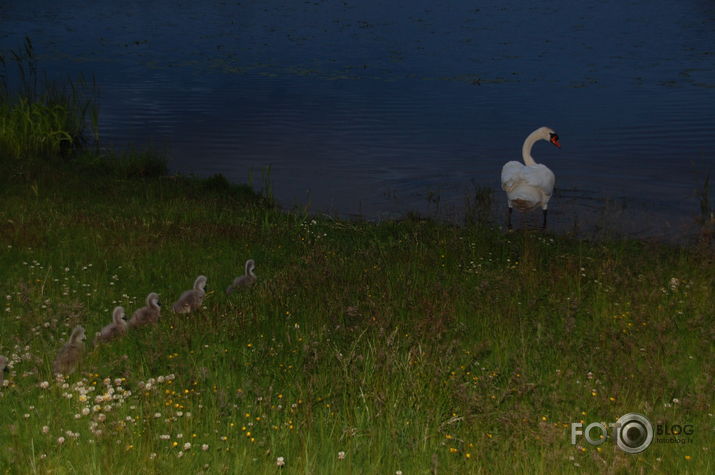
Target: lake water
{"points": [[378, 108]]}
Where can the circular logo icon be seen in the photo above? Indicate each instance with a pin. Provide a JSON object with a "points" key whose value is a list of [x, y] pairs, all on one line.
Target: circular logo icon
{"points": [[634, 433]]}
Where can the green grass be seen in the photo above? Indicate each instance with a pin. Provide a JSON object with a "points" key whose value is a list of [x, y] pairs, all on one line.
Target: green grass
{"points": [[42, 120], [411, 346], [407, 345]]}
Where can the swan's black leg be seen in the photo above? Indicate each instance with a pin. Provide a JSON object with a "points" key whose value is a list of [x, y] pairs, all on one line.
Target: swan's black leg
{"points": [[508, 222], [544, 225]]}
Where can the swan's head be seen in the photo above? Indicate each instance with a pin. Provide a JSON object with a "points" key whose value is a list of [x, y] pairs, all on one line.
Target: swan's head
{"points": [[250, 266], [78, 334], [118, 315], [200, 283], [153, 300], [550, 135]]}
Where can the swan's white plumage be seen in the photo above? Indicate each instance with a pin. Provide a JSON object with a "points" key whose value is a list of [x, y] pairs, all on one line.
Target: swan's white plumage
{"points": [[529, 185]]}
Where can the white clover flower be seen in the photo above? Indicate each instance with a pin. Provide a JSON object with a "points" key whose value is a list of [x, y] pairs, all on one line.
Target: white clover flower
{"points": [[85, 411], [205, 447], [45, 429], [60, 440], [341, 455], [280, 461], [165, 437], [44, 385], [157, 415], [187, 446]]}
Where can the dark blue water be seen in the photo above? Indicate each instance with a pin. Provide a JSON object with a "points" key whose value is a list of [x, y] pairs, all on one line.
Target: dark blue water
{"points": [[363, 107]]}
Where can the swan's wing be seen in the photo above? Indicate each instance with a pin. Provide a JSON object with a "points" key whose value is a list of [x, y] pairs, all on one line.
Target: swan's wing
{"points": [[511, 175], [515, 174], [539, 176]]}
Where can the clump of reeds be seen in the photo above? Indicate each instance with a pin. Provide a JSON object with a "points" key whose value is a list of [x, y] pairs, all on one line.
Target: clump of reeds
{"points": [[42, 119]]}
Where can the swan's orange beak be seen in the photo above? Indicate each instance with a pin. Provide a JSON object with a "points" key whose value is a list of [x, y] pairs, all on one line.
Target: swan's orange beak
{"points": [[555, 140]]}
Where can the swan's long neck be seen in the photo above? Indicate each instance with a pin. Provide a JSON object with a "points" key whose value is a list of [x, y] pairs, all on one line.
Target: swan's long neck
{"points": [[118, 317], [526, 148], [76, 336]]}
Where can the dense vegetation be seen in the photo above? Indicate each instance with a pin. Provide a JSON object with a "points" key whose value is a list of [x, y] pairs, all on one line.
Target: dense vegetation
{"points": [[405, 346]]}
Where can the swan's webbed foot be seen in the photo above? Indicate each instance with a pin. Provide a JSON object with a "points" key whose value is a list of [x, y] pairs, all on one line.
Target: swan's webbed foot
{"points": [[508, 221]]}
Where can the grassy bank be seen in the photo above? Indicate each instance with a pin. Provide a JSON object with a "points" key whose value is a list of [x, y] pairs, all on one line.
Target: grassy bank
{"points": [[407, 346]]}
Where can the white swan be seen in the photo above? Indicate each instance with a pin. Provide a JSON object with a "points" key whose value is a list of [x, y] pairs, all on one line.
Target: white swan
{"points": [[245, 280], [531, 185]]}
